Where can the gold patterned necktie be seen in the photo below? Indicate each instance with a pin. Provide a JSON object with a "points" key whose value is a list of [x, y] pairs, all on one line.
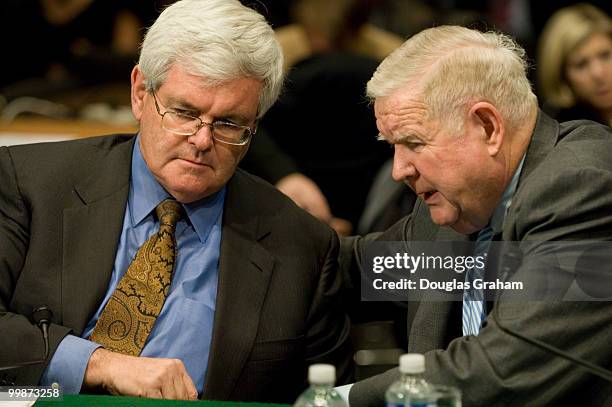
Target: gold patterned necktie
{"points": [[128, 318]]}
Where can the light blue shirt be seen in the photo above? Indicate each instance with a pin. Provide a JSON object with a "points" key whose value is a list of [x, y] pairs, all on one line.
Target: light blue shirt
{"points": [[183, 329]]}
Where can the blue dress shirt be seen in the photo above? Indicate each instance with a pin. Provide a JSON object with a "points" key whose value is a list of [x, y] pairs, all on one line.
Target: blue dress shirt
{"points": [[183, 329], [474, 306]]}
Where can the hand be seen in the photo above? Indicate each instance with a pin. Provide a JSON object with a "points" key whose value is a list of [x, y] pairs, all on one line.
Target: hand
{"points": [[139, 376], [342, 226], [306, 194]]}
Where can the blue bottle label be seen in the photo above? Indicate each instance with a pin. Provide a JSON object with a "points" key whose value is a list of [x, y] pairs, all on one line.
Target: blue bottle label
{"points": [[387, 404]]}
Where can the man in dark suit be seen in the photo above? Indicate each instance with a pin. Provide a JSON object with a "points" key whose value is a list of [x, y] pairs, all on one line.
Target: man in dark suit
{"points": [[458, 109], [170, 273]]}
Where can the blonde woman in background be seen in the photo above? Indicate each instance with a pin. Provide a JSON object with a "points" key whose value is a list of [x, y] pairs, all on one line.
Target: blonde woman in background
{"points": [[575, 64]]}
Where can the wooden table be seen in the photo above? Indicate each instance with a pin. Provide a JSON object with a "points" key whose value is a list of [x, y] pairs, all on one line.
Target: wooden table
{"points": [[33, 130]]}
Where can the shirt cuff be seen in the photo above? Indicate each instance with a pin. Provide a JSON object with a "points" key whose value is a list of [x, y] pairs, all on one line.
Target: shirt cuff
{"points": [[68, 364], [344, 391]]}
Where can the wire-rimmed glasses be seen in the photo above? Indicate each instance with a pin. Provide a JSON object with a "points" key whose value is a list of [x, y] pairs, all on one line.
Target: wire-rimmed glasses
{"points": [[187, 125]]}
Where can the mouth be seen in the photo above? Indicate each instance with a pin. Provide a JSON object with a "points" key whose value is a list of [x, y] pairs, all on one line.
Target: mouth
{"points": [[602, 86], [427, 195], [603, 92], [196, 163]]}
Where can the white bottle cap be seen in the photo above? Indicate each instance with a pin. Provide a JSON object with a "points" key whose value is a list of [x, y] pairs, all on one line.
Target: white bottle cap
{"points": [[412, 363], [321, 374]]}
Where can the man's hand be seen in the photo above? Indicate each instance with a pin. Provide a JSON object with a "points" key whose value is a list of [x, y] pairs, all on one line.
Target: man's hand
{"points": [[139, 376], [306, 194]]}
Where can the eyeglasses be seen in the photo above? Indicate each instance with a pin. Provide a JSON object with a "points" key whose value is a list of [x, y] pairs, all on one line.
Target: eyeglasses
{"points": [[186, 125]]}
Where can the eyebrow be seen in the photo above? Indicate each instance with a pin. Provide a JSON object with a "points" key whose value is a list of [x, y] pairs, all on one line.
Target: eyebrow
{"points": [[409, 137], [178, 103]]}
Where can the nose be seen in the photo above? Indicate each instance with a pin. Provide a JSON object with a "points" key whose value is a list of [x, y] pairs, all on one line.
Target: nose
{"points": [[203, 138], [403, 164]]}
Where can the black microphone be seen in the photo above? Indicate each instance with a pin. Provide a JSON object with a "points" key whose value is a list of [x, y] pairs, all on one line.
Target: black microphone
{"points": [[511, 263], [42, 318]]}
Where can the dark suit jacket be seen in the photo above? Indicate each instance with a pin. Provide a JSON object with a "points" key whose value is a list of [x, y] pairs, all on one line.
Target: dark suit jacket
{"points": [[62, 207], [564, 193]]}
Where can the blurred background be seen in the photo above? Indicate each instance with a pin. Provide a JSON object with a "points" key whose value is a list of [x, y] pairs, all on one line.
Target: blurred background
{"points": [[70, 51]]}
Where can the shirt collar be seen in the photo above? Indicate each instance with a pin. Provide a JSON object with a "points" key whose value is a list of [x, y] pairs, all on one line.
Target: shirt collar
{"points": [[499, 215], [146, 193]]}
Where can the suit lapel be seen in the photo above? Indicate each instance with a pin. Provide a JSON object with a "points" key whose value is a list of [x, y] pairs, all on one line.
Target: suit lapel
{"points": [[245, 269], [432, 317], [544, 138], [91, 230]]}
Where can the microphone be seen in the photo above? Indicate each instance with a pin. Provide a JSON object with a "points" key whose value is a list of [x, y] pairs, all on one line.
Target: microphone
{"points": [[514, 262], [42, 318]]}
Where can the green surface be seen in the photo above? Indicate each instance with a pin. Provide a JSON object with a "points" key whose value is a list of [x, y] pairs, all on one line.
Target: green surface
{"points": [[91, 401]]}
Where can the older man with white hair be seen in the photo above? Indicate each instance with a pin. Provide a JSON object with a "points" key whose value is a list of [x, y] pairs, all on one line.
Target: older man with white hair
{"points": [[170, 272], [458, 109]]}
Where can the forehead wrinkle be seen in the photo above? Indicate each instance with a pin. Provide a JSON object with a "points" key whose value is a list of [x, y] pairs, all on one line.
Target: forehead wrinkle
{"points": [[398, 116], [179, 102], [404, 108], [382, 128]]}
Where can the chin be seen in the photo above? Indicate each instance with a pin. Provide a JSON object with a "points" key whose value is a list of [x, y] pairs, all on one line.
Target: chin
{"points": [[186, 189], [184, 195], [457, 226], [464, 229], [454, 222], [442, 217]]}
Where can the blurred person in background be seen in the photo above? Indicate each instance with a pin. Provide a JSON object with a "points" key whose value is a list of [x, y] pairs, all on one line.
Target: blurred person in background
{"points": [[575, 64], [58, 40], [70, 58], [322, 125]]}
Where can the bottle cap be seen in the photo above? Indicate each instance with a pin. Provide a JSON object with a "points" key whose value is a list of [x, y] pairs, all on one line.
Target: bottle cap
{"points": [[321, 374], [412, 363]]}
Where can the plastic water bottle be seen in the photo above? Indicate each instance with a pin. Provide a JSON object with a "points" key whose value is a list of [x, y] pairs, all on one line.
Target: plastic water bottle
{"points": [[411, 390], [321, 392]]}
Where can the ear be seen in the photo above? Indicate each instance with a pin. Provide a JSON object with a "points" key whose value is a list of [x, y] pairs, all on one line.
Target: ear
{"points": [[138, 92], [244, 150], [486, 120]]}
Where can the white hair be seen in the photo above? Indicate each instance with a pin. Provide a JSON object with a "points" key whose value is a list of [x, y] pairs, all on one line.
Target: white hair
{"points": [[219, 40], [451, 66]]}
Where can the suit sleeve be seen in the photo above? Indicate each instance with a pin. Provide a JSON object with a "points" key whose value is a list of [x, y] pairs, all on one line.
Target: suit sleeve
{"points": [[352, 249], [369, 392], [496, 369], [329, 326], [20, 340]]}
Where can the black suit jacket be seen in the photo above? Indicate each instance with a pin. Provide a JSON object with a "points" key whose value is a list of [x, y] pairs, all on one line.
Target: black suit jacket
{"points": [[564, 193], [62, 208]]}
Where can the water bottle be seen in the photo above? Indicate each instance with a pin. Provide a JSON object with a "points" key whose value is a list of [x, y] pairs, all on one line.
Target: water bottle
{"points": [[411, 390], [321, 392]]}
